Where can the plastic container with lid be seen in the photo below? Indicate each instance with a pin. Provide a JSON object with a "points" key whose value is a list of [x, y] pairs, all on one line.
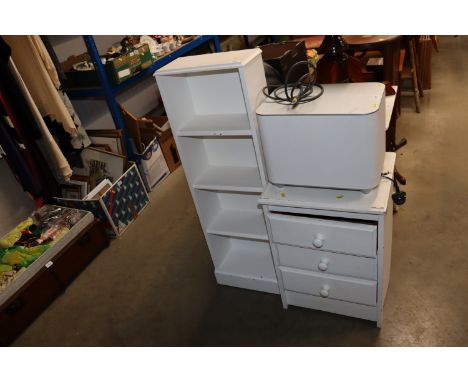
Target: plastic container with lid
{"points": [[335, 141]]}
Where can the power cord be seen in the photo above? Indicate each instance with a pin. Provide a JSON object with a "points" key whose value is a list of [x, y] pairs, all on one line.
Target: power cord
{"points": [[298, 92], [398, 197]]}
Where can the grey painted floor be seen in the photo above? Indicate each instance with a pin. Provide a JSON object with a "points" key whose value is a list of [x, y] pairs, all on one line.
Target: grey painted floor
{"points": [[155, 285]]}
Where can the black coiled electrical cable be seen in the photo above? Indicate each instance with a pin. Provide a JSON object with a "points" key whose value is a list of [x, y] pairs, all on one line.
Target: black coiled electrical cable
{"points": [[295, 93]]}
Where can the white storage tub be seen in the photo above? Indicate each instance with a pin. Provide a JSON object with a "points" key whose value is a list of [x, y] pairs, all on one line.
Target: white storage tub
{"points": [[335, 141]]}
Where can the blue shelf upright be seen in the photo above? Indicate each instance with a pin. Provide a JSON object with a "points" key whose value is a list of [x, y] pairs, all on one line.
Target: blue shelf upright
{"points": [[109, 91]]}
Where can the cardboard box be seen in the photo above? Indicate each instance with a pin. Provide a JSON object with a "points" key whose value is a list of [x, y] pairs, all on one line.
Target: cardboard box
{"points": [[118, 70], [229, 43], [152, 165], [121, 203], [282, 56], [133, 126], [166, 140], [144, 139]]}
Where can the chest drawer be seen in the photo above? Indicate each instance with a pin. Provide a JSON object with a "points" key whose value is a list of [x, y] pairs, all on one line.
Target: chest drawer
{"points": [[70, 262], [330, 286], [325, 234], [49, 281], [18, 313], [327, 262]]}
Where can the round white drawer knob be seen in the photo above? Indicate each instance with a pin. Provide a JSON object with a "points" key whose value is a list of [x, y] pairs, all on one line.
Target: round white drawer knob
{"points": [[324, 291], [318, 241], [323, 265]]}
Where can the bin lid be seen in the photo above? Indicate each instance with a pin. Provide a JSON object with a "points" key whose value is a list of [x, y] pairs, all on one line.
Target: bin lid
{"points": [[337, 99]]}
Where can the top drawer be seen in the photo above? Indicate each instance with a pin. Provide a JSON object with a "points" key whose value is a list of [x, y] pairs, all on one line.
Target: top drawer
{"points": [[324, 234]]}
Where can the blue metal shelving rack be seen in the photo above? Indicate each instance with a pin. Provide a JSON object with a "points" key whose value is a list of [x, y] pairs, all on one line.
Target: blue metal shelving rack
{"points": [[109, 91]]}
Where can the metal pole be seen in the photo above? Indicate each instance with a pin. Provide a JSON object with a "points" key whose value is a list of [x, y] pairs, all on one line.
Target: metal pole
{"points": [[217, 45], [108, 93]]}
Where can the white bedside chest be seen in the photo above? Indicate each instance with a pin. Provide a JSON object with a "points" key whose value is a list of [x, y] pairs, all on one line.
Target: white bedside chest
{"points": [[332, 248]]}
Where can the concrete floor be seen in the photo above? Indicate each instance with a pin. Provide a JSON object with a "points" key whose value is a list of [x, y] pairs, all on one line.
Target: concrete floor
{"points": [[155, 286]]}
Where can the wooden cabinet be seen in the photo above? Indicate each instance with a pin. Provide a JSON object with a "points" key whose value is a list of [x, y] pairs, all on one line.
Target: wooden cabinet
{"points": [[46, 278], [210, 101], [29, 302], [332, 248]]}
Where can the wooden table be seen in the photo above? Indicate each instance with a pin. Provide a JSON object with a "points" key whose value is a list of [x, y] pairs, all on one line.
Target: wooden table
{"points": [[311, 42], [388, 45]]}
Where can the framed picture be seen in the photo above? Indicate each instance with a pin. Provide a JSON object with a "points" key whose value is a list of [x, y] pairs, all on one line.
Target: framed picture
{"points": [[111, 138], [71, 191], [100, 165], [104, 147]]}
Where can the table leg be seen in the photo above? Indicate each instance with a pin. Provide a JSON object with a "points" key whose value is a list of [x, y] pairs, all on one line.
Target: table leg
{"points": [[391, 54], [391, 134], [393, 146], [399, 177], [417, 68]]}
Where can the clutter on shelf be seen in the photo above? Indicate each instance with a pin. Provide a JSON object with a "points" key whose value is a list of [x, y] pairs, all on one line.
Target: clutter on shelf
{"points": [[122, 60], [31, 238]]}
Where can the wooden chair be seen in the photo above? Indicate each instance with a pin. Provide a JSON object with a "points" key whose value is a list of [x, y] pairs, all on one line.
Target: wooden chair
{"points": [[435, 42], [410, 72]]}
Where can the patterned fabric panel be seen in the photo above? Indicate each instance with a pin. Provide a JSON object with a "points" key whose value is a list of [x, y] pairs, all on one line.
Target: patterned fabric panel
{"points": [[126, 199]]}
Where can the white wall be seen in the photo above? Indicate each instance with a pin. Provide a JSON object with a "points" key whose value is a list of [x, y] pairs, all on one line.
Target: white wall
{"points": [[15, 204]]}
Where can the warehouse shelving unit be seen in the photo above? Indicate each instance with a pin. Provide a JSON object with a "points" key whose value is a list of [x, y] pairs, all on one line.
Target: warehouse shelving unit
{"points": [[109, 91], [210, 101]]}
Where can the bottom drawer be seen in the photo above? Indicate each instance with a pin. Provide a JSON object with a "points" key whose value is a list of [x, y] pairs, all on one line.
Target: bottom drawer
{"points": [[17, 314], [330, 286], [345, 308]]}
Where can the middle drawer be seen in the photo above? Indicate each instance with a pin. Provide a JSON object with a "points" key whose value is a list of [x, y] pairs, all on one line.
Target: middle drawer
{"points": [[324, 234], [327, 262]]}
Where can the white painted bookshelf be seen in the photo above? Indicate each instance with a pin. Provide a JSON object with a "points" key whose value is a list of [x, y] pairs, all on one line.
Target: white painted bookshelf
{"points": [[211, 101]]}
